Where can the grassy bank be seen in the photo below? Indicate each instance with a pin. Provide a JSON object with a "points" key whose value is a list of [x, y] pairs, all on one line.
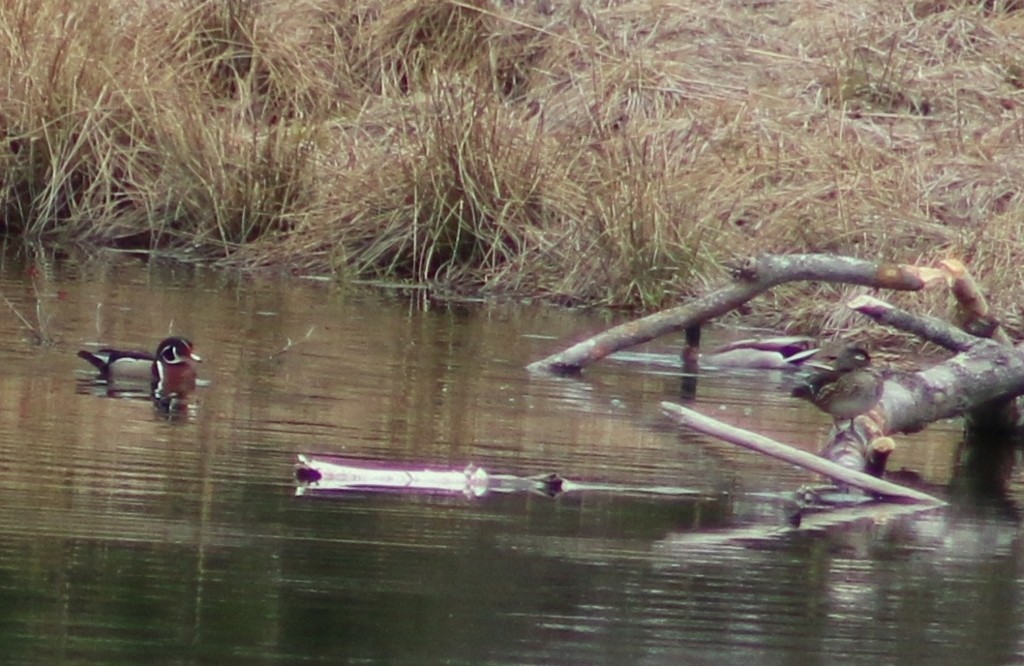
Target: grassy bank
{"points": [[597, 152]]}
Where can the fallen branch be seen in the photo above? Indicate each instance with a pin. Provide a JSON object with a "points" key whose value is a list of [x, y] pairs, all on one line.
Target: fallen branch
{"points": [[755, 276], [809, 461], [927, 328], [981, 381]]}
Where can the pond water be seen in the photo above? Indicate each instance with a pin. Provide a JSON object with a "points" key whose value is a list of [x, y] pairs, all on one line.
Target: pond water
{"points": [[131, 535]]}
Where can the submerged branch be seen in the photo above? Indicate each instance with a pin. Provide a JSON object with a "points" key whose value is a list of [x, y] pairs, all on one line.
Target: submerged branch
{"points": [[289, 343]]}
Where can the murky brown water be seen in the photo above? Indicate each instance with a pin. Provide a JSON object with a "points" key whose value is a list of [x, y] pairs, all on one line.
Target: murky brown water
{"points": [[132, 537]]}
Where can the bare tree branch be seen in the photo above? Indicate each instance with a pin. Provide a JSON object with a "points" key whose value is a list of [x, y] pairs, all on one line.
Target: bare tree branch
{"points": [[755, 276]]}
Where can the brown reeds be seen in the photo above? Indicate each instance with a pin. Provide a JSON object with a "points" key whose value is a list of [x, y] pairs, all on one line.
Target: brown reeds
{"points": [[600, 153]]}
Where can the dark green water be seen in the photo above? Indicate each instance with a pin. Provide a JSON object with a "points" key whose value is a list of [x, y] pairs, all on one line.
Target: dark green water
{"points": [[132, 538]]}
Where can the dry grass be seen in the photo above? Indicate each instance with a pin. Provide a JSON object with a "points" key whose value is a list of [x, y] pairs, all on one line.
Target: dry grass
{"points": [[598, 152]]}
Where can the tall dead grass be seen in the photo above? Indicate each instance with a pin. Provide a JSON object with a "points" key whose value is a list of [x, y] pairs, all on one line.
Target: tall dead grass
{"points": [[593, 152]]}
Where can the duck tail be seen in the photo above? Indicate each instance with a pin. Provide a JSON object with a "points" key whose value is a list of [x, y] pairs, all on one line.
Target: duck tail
{"points": [[94, 360]]}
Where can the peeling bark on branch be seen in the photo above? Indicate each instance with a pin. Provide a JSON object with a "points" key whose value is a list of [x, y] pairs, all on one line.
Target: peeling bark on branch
{"points": [[973, 313]]}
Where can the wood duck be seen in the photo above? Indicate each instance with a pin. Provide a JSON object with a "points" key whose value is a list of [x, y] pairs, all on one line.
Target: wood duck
{"points": [[171, 370], [847, 388]]}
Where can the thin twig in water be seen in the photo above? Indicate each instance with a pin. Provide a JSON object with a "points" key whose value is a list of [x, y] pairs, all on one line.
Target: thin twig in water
{"points": [[292, 343], [43, 318], [36, 331]]}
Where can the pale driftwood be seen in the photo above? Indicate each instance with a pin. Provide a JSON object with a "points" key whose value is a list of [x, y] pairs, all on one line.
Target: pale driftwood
{"points": [[755, 276], [809, 461]]}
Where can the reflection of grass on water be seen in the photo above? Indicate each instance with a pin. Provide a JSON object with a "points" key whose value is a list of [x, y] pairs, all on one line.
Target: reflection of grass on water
{"points": [[584, 152]]}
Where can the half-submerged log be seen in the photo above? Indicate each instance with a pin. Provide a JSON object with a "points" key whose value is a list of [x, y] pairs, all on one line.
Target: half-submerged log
{"points": [[326, 474]]}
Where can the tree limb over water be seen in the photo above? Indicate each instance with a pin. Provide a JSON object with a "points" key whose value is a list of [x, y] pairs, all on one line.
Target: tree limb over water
{"points": [[753, 277]]}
